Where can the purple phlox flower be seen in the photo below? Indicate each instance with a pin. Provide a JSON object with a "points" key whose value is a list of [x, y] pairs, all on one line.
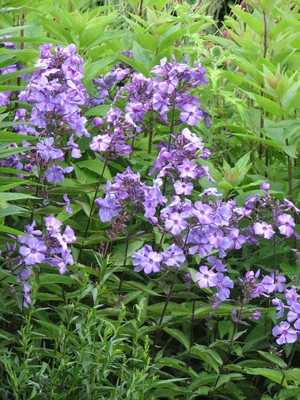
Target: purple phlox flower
{"points": [[185, 188], [294, 315], [150, 262], [256, 315], [285, 332], [279, 281], [280, 307], [101, 142], [236, 239], [109, 207], [199, 242], [138, 255], [97, 122], [268, 284], [75, 152], [173, 256], [56, 173], [119, 73], [175, 223], [286, 224], [29, 229], [47, 151], [250, 202], [193, 138], [68, 203], [34, 251], [291, 295], [188, 169], [206, 278], [223, 214], [291, 205], [191, 114], [203, 212], [53, 225], [242, 212], [66, 238], [264, 230], [210, 192], [223, 284], [26, 294], [217, 264], [25, 274], [161, 103], [219, 241], [265, 186]]}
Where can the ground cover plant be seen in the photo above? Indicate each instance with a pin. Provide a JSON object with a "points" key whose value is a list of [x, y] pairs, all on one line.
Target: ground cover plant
{"points": [[149, 200]]}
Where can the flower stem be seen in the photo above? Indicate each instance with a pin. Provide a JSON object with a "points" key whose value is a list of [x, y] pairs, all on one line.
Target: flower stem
{"points": [[92, 208], [164, 312]]}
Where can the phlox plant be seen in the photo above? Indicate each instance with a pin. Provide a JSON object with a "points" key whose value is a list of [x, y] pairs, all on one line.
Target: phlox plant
{"points": [[128, 273]]}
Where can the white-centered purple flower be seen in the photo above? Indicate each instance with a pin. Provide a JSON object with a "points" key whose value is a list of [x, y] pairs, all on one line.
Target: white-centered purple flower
{"points": [[188, 169], [175, 223], [34, 251], [286, 224], [184, 188], [264, 230], [47, 151], [206, 277], [294, 315], [285, 332], [173, 256], [109, 207], [56, 173]]}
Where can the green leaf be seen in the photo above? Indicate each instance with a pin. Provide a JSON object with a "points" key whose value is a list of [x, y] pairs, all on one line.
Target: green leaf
{"points": [[141, 56], [178, 335], [273, 358], [97, 166], [273, 375], [269, 105], [48, 279], [211, 357], [140, 286], [12, 231], [250, 20]]}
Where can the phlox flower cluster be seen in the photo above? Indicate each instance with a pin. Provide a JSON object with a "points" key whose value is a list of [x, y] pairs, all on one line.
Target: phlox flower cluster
{"points": [[287, 331], [269, 216], [206, 228], [146, 100], [56, 95], [127, 195], [36, 248]]}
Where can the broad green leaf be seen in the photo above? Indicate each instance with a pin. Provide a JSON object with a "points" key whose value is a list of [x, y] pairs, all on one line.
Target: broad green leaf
{"points": [[273, 375], [273, 358], [12, 210], [178, 335], [97, 166], [269, 105], [211, 357], [250, 20], [48, 279]]}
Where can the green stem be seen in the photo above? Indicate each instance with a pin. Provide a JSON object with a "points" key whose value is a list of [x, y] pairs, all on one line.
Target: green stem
{"points": [[92, 208], [164, 311], [126, 249]]}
